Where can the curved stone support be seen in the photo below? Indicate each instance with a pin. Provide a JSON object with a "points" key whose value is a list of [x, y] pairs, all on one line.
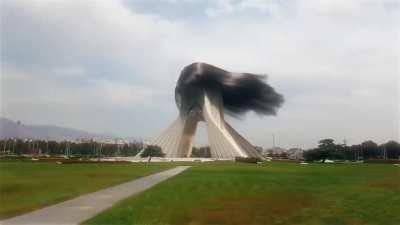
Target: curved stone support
{"points": [[225, 142]]}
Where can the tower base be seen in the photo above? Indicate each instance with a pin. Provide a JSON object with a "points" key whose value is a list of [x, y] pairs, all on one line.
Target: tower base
{"points": [[225, 142]]}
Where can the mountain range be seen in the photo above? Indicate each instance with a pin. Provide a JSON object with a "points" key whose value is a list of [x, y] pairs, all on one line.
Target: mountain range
{"points": [[15, 129]]}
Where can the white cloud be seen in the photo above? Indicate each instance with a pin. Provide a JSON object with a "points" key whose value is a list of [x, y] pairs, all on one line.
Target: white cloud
{"points": [[68, 71], [122, 95], [224, 7]]}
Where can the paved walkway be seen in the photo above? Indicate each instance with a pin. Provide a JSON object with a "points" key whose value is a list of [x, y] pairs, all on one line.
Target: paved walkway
{"points": [[79, 209]]}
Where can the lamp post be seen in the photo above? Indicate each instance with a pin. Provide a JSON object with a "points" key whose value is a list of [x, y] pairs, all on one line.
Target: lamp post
{"points": [[13, 148], [4, 146]]}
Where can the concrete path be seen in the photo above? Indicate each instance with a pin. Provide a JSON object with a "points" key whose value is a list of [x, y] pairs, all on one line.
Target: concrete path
{"points": [[79, 209]]}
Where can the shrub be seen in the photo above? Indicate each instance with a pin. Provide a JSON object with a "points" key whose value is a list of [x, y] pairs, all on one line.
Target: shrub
{"points": [[247, 159]]}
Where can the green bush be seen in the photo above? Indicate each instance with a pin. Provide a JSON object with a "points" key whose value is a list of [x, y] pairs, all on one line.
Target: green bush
{"points": [[247, 159]]}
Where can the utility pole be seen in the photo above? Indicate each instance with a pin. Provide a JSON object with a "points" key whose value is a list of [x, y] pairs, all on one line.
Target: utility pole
{"points": [[94, 148], [38, 148], [273, 141], [358, 150], [362, 152], [96, 151], [118, 150], [279, 141], [69, 149], [33, 147], [13, 148], [117, 145], [66, 151], [9, 146], [384, 152], [345, 148], [355, 154]]}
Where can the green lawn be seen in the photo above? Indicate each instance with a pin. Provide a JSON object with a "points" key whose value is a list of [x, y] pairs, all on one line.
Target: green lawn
{"points": [[25, 186], [276, 193]]}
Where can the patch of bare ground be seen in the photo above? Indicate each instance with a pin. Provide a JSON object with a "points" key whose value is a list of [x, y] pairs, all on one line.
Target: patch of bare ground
{"points": [[386, 183], [250, 210]]}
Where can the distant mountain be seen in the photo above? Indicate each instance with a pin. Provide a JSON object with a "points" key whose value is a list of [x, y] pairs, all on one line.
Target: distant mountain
{"points": [[12, 129]]}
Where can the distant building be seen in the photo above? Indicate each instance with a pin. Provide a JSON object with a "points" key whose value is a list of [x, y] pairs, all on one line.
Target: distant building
{"points": [[295, 153], [276, 153]]}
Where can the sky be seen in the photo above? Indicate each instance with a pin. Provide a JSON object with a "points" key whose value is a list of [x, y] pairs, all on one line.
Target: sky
{"points": [[111, 66]]}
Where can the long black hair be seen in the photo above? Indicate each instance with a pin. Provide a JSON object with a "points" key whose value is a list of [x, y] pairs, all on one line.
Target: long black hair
{"points": [[241, 92]]}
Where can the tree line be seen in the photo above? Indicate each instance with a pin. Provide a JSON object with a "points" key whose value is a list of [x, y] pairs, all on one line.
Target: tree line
{"points": [[367, 150], [89, 148]]}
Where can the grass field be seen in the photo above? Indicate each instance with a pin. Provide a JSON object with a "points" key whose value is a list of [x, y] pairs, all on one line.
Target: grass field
{"points": [[275, 193], [25, 186]]}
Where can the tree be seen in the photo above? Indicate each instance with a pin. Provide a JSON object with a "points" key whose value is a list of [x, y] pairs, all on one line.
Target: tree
{"points": [[326, 147], [392, 148], [152, 151], [310, 155], [370, 150]]}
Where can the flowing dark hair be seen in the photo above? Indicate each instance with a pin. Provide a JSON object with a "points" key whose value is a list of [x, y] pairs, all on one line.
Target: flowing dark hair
{"points": [[241, 92]]}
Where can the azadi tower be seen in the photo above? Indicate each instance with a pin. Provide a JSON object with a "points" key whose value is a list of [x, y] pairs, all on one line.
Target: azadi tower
{"points": [[203, 93]]}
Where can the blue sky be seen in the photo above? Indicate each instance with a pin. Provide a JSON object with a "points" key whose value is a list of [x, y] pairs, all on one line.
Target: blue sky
{"points": [[111, 66]]}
